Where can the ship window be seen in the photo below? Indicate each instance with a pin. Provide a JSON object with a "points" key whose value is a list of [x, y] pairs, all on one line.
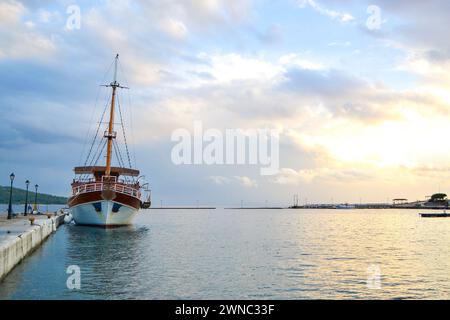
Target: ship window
{"points": [[116, 207], [97, 206]]}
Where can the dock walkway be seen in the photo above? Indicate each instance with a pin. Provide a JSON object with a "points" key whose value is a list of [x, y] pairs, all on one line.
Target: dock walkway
{"points": [[18, 238]]}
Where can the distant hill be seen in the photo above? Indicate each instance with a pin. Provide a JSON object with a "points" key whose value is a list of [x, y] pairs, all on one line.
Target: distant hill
{"points": [[19, 197]]}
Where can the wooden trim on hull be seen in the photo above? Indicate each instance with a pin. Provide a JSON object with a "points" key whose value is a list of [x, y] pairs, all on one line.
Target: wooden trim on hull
{"points": [[121, 198]]}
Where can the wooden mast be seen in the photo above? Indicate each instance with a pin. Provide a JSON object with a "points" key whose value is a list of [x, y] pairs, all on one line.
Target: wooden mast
{"points": [[110, 135]]}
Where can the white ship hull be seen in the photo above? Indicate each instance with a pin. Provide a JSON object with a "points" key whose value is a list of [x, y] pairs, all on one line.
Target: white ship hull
{"points": [[86, 214]]}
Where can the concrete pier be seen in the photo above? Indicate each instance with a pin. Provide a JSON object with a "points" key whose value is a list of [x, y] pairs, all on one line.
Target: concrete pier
{"points": [[18, 238]]}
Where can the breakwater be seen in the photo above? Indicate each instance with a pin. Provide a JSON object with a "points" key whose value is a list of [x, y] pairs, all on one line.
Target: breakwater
{"points": [[18, 238]]}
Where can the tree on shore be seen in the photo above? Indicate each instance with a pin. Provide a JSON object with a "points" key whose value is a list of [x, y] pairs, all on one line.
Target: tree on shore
{"points": [[438, 197], [18, 197]]}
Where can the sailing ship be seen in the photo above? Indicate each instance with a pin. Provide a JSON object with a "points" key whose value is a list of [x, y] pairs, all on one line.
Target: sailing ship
{"points": [[107, 196]]}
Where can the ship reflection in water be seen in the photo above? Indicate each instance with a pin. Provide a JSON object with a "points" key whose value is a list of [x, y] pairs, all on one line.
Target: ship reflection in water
{"points": [[245, 254], [112, 257]]}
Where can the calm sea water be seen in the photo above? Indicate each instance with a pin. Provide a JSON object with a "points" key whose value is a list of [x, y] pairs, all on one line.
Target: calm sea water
{"points": [[245, 254]]}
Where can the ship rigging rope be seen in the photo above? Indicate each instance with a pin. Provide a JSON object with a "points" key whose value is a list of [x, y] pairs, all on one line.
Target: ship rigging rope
{"points": [[133, 140], [101, 152], [92, 116], [95, 137], [96, 155], [93, 157], [119, 156], [97, 152], [123, 132], [90, 126]]}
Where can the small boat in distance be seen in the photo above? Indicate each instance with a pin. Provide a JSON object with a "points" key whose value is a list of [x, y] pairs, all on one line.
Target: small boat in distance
{"points": [[107, 196], [435, 215]]}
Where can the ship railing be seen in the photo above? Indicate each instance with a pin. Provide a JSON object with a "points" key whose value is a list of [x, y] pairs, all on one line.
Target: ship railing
{"points": [[99, 186]]}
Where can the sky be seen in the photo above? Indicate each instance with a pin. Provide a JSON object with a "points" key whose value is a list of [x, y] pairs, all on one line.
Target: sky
{"points": [[358, 91]]}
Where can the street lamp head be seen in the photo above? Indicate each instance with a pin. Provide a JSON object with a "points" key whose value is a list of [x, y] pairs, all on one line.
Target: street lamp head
{"points": [[27, 182], [36, 186], [12, 176]]}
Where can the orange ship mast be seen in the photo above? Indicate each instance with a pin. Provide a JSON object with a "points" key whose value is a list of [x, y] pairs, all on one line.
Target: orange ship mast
{"points": [[111, 134]]}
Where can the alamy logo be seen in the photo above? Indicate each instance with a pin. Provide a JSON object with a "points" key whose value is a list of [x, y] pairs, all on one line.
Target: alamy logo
{"points": [[374, 21], [74, 19], [74, 280], [234, 147]]}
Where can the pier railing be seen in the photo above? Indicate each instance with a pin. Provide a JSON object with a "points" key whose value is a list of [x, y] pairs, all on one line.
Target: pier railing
{"points": [[99, 186]]}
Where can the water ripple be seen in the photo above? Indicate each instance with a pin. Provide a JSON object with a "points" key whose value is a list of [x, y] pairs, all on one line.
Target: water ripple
{"points": [[235, 254]]}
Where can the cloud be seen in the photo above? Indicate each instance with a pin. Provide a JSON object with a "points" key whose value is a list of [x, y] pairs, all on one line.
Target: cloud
{"points": [[235, 67], [241, 180], [295, 60], [328, 83], [20, 40], [205, 16], [272, 35], [423, 40], [219, 180], [288, 176], [417, 28], [246, 181], [340, 44], [335, 15], [175, 28], [342, 116]]}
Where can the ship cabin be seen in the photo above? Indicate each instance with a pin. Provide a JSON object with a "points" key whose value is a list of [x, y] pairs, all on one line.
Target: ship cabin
{"points": [[120, 180]]}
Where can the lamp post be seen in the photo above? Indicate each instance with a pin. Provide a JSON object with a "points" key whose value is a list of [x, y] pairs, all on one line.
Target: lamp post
{"points": [[25, 212], [11, 177], [35, 197]]}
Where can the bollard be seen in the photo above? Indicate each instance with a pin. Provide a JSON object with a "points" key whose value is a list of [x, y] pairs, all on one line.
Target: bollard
{"points": [[31, 220]]}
